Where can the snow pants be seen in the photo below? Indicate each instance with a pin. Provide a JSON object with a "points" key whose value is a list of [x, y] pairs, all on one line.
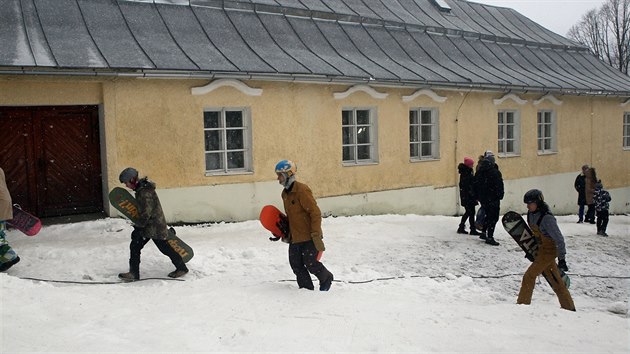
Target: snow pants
{"points": [[138, 240], [7, 254], [602, 220], [492, 209], [303, 259], [545, 264]]}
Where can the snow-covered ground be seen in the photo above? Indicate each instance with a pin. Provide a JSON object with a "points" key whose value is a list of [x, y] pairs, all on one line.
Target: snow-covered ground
{"points": [[402, 284]]}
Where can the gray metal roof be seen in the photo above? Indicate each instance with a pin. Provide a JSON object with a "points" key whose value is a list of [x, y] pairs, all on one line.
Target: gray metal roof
{"points": [[387, 42]]}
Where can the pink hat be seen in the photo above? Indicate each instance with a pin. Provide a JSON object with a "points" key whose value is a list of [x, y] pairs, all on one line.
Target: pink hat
{"points": [[468, 162]]}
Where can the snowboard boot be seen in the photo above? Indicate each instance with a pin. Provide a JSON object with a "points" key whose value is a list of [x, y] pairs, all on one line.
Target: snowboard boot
{"points": [[490, 240], [9, 264], [178, 273], [474, 232], [326, 284], [129, 276], [462, 230]]}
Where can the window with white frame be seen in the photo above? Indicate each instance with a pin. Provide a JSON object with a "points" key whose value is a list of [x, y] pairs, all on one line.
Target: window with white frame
{"points": [[626, 130], [546, 132], [424, 134], [358, 135], [227, 134], [509, 132]]}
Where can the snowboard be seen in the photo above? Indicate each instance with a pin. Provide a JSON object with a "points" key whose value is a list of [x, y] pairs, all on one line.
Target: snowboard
{"points": [[25, 222], [517, 227], [127, 205], [276, 222]]}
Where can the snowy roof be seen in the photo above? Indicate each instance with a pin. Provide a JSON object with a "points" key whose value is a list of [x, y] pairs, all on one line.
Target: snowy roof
{"points": [[446, 43]]}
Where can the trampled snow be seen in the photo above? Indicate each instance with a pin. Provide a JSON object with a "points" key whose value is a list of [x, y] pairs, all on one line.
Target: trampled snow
{"points": [[402, 284]]}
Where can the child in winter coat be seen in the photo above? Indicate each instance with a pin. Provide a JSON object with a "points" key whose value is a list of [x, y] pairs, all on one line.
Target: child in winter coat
{"points": [[601, 197], [467, 196]]}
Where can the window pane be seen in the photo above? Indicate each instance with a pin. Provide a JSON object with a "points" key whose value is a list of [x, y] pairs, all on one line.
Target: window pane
{"points": [[501, 128], [363, 117], [213, 161], [413, 150], [426, 149], [233, 119], [501, 120], [363, 135], [347, 135], [211, 119], [509, 146], [413, 117], [348, 153], [346, 117], [234, 139], [426, 133], [236, 159], [213, 140], [413, 135], [509, 117], [547, 144], [540, 144], [509, 132], [501, 148], [426, 117], [363, 152]]}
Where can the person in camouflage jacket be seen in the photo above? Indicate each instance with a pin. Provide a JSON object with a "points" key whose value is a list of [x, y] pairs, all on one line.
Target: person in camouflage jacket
{"points": [[601, 198], [8, 257], [150, 226]]}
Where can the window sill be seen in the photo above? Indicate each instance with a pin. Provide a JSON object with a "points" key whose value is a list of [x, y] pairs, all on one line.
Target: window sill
{"points": [[229, 173], [353, 164], [508, 155], [544, 153], [414, 160]]}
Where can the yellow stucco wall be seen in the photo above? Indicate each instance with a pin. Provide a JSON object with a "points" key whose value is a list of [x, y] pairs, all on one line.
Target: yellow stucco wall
{"points": [[156, 125]]}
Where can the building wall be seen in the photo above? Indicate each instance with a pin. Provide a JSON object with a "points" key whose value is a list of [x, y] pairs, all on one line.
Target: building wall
{"points": [[156, 126]]}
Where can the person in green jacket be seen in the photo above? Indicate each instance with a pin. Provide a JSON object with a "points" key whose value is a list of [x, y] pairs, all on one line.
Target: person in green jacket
{"points": [[305, 229]]}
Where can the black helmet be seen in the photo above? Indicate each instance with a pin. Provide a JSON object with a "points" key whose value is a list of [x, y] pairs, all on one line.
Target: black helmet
{"points": [[533, 196], [128, 174]]}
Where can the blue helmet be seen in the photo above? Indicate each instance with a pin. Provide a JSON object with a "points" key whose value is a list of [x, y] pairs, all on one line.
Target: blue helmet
{"points": [[286, 166], [128, 174]]}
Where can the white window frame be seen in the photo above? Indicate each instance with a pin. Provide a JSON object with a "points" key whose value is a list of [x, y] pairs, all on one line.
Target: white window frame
{"points": [[354, 131], [626, 131], [246, 149], [503, 127], [547, 132], [416, 132]]}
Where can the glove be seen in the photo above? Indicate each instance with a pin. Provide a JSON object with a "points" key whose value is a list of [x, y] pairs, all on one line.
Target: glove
{"points": [[562, 264], [529, 256], [274, 238], [318, 241]]}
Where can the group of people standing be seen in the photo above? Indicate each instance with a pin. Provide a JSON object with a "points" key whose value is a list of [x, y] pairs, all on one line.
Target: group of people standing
{"points": [[484, 187], [593, 196]]}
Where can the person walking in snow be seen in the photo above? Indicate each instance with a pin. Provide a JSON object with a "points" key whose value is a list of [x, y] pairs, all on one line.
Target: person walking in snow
{"points": [[150, 226], [550, 245], [580, 188], [601, 197], [489, 191], [467, 196], [8, 257], [305, 229]]}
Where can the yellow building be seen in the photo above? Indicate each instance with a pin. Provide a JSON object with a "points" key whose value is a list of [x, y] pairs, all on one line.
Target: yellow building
{"points": [[377, 106]]}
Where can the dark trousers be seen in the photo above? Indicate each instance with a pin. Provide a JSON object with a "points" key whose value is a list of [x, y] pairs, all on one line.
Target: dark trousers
{"points": [[137, 243], [590, 214], [581, 213], [468, 215], [303, 259], [492, 209], [602, 220]]}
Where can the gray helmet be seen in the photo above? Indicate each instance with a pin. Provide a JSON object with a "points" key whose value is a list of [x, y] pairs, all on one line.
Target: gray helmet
{"points": [[128, 174]]}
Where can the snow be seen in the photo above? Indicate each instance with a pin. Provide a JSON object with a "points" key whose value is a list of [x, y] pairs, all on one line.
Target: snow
{"points": [[404, 283]]}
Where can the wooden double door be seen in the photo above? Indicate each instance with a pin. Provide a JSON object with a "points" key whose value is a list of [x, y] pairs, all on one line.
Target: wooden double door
{"points": [[51, 158]]}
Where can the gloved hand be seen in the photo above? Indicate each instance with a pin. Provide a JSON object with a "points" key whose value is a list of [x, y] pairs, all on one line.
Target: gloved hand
{"points": [[562, 264], [283, 225], [318, 241], [274, 238], [529, 256]]}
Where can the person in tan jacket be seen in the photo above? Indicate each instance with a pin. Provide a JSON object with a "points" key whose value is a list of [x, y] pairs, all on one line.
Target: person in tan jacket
{"points": [[8, 257], [305, 229]]}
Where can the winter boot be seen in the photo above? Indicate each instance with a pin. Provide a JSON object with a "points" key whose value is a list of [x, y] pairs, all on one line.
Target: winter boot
{"points": [[9, 264], [482, 235], [129, 276], [325, 285], [474, 232], [490, 240], [178, 273], [462, 230]]}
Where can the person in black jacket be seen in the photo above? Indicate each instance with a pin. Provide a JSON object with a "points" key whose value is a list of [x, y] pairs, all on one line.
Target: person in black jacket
{"points": [[467, 196], [489, 190], [580, 187]]}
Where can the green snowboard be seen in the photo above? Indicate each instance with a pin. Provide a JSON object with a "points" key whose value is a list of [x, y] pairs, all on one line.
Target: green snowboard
{"points": [[127, 205]]}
